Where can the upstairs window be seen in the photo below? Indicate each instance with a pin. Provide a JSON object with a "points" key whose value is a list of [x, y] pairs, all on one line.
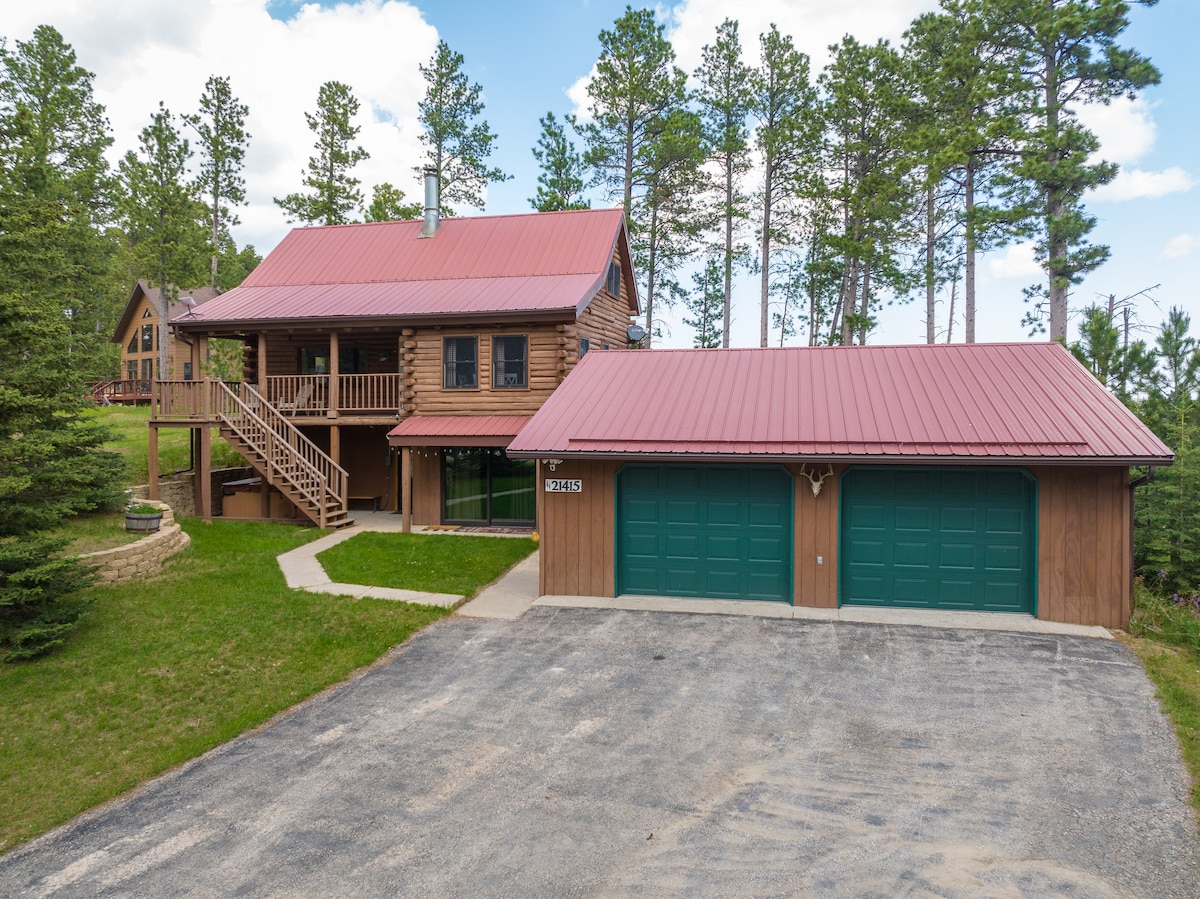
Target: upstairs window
{"points": [[460, 362], [614, 279], [510, 361], [147, 338]]}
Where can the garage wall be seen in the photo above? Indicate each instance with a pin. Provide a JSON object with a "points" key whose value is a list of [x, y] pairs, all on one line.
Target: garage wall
{"points": [[1084, 549], [577, 530], [816, 523], [427, 485]]}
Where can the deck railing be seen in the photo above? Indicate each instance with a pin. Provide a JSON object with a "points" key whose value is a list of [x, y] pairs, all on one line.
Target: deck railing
{"points": [[293, 395]]}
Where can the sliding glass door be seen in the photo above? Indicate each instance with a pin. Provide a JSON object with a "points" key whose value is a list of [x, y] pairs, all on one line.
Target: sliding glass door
{"points": [[482, 486]]}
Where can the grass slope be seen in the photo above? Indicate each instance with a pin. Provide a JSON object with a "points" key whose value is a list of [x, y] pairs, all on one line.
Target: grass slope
{"points": [[131, 439], [164, 669], [430, 563]]}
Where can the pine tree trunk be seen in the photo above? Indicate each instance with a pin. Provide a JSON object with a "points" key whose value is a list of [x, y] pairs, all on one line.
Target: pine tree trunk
{"points": [[865, 309], [766, 257], [1055, 205], [969, 248], [930, 270], [728, 252]]}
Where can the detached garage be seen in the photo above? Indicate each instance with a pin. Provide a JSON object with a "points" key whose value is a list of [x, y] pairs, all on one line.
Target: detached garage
{"points": [[987, 477]]}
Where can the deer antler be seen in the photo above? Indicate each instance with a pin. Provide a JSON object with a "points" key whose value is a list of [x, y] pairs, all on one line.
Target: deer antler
{"points": [[815, 479]]}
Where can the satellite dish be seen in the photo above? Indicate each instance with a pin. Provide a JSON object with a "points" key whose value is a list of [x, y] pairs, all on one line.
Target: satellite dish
{"points": [[635, 333], [190, 302]]}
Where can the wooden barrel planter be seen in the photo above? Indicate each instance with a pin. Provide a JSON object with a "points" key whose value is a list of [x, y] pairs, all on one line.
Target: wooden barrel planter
{"points": [[143, 518]]}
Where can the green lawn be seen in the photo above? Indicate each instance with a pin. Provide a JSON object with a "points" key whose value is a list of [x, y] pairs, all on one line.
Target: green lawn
{"points": [[431, 563], [96, 531], [132, 440], [162, 670]]}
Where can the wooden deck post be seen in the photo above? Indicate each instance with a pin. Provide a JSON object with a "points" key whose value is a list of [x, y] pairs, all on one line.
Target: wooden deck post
{"points": [[262, 364], [204, 475], [152, 464], [334, 378], [406, 490]]}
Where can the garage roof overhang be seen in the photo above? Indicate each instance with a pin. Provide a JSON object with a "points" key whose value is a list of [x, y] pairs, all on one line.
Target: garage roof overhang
{"points": [[457, 430]]}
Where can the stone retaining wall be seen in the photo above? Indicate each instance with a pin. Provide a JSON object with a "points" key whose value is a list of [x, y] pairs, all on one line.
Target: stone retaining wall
{"points": [[146, 556], [179, 490]]}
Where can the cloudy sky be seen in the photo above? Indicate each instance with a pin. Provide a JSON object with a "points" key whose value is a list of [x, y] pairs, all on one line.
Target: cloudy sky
{"points": [[534, 57]]}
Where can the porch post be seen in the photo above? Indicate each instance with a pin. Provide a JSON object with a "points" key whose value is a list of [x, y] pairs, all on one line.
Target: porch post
{"points": [[204, 476], [406, 490], [152, 464], [195, 348], [334, 371], [335, 444], [262, 364]]}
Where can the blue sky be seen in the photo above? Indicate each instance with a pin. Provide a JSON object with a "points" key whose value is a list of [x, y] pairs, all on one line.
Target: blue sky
{"points": [[534, 56]]}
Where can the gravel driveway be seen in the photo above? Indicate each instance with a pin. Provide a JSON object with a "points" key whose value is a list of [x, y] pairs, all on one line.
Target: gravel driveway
{"points": [[581, 752]]}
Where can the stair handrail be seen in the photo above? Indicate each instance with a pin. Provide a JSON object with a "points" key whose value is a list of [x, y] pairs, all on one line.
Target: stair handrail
{"points": [[247, 413]]}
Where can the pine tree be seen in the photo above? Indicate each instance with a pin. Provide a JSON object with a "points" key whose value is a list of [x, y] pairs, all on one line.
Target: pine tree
{"points": [[636, 87], [387, 205], [221, 127], [55, 133], [163, 217], [51, 461], [1067, 54], [458, 141], [725, 96], [560, 184], [333, 191], [705, 305], [788, 142]]}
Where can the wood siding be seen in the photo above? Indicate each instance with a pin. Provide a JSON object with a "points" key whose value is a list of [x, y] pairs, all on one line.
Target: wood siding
{"points": [[605, 319], [178, 351], [816, 534], [577, 530], [427, 485], [1084, 550]]}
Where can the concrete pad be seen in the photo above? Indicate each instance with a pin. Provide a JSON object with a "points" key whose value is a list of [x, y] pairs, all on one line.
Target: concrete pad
{"points": [[985, 621], [511, 596]]}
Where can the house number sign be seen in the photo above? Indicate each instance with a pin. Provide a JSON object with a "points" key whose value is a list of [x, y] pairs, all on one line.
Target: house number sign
{"points": [[564, 485]]}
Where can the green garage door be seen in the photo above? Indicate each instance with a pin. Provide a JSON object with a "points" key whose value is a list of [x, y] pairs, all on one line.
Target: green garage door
{"points": [[715, 531], [938, 538]]}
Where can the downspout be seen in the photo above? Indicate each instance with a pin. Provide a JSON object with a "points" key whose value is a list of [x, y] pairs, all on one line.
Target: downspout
{"points": [[1133, 485]]}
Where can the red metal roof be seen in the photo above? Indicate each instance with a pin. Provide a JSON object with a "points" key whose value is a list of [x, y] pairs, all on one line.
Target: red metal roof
{"points": [[550, 261], [1021, 401], [457, 430]]}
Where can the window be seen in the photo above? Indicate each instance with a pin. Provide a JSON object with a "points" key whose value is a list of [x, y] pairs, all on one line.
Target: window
{"points": [[460, 362], [584, 346], [314, 362], [187, 371], [352, 361], [509, 360], [147, 338], [133, 342], [131, 370], [147, 369], [614, 279]]}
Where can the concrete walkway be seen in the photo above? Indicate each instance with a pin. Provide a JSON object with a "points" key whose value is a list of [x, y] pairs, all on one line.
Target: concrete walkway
{"points": [[516, 592]]}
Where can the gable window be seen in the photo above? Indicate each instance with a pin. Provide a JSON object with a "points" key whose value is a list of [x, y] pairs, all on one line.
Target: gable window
{"points": [[614, 279], [133, 343], [510, 361], [460, 362], [147, 338]]}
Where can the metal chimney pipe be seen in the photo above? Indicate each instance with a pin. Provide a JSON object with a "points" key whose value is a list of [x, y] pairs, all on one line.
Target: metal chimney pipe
{"points": [[431, 203]]}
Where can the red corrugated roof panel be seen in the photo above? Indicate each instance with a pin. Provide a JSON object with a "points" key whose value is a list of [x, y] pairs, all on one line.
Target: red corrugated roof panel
{"points": [[991, 401], [536, 263], [436, 430]]}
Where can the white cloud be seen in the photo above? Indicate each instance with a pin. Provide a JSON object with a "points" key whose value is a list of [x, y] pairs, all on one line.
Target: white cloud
{"points": [[1017, 262], [813, 24], [1124, 127], [1135, 184], [143, 51], [1180, 246]]}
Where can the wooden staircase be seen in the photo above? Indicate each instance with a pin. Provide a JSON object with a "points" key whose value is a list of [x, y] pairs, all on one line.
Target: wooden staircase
{"points": [[286, 459]]}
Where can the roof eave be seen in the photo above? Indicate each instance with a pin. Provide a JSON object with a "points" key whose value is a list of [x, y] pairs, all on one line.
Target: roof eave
{"points": [[846, 458], [202, 325]]}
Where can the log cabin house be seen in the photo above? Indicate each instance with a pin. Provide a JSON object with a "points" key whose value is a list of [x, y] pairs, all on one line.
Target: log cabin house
{"points": [[139, 336], [974, 477], [389, 364]]}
